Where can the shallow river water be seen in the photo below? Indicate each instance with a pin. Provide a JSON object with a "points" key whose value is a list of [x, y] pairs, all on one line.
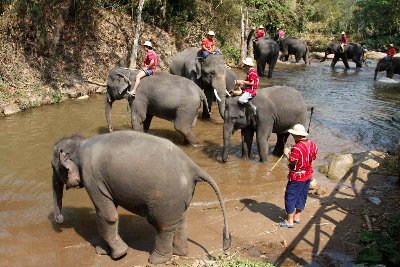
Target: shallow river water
{"points": [[352, 113]]}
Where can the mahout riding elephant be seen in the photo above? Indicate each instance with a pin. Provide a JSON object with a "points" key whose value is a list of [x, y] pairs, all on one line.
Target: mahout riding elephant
{"points": [[210, 74], [293, 46], [163, 95], [278, 109], [351, 51], [391, 67], [145, 174], [266, 51]]}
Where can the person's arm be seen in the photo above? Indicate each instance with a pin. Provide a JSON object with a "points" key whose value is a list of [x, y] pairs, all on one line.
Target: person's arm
{"points": [[151, 64]]}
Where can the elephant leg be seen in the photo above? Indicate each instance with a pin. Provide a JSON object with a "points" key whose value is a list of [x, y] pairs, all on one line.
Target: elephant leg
{"points": [[346, 62], [271, 67], [209, 93], [163, 247], [262, 137], [334, 61], [107, 218], [280, 144], [138, 115], [183, 124], [247, 141], [147, 122], [180, 245], [108, 109]]}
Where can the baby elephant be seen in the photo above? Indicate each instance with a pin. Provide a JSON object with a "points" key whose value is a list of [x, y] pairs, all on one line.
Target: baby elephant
{"points": [[144, 174]]}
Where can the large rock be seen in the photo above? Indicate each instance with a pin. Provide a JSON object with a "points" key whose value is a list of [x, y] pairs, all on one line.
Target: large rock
{"points": [[11, 109], [339, 165]]}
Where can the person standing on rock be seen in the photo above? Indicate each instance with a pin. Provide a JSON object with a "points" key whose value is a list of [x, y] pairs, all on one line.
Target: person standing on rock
{"points": [[149, 66], [300, 157]]}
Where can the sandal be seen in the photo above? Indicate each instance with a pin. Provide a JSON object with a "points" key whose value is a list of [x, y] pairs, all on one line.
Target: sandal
{"points": [[285, 224], [296, 221]]}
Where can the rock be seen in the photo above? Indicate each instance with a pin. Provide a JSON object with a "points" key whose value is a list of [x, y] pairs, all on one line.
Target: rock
{"points": [[313, 184], [101, 90], [11, 109], [73, 94], [84, 97], [374, 55], [374, 200], [339, 166]]}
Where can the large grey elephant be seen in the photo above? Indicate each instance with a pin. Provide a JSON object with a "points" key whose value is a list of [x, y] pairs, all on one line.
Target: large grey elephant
{"points": [[351, 51], [210, 74], [391, 67], [266, 51], [145, 174], [294, 46], [163, 95], [278, 109]]}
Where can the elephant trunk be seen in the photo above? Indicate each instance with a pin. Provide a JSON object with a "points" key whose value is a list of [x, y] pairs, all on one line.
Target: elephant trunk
{"points": [[325, 57], [219, 86], [376, 73], [58, 187], [228, 130]]}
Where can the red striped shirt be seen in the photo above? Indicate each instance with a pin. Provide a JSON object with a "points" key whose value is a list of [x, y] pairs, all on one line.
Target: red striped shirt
{"points": [[250, 77], [260, 33], [301, 157]]}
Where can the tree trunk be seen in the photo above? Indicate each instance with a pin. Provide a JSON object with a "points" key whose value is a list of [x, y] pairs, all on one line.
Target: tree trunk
{"points": [[242, 39], [135, 45]]}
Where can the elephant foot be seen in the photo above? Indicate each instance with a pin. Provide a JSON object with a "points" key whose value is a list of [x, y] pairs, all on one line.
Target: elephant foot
{"points": [[182, 250], [119, 250], [103, 249], [157, 258], [206, 116]]}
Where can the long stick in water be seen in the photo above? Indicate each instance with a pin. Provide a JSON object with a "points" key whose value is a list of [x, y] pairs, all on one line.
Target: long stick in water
{"points": [[275, 164]]}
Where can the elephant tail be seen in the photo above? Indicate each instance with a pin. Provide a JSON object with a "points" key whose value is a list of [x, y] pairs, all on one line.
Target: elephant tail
{"points": [[203, 99], [204, 177]]}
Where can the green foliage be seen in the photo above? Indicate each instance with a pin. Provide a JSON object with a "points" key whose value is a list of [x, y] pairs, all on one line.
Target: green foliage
{"points": [[231, 54], [223, 262], [383, 247]]}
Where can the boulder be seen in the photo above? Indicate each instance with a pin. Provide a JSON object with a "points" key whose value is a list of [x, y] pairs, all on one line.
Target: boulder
{"points": [[339, 165], [11, 109], [84, 97]]}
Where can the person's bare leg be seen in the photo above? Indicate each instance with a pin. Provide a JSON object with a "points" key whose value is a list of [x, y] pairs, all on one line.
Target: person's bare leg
{"points": [[139, 76], [290, 218]]}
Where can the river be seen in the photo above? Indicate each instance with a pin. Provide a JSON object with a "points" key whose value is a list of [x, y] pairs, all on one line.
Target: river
{"points": [[352, 113]]}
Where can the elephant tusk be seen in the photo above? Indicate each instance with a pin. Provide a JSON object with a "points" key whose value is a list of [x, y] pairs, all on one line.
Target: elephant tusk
{"points": [[227, 92], [216, 95]]}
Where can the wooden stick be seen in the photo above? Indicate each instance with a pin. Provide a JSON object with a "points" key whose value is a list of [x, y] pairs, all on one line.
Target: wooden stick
{"points": [[275, 164], [367, 220]]}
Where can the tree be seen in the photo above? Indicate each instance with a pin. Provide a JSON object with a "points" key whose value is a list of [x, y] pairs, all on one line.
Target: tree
{"points": [[135, 45]]}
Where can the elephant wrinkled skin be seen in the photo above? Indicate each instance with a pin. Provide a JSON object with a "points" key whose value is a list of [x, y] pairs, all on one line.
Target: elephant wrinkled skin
{"points": [[118, 169], [210, 74], [266, 51], [351, 51], [279, 108], [391, 67], [162, 95]]}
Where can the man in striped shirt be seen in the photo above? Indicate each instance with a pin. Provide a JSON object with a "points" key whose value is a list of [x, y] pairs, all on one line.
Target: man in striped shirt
{"points": [[300, 157]]}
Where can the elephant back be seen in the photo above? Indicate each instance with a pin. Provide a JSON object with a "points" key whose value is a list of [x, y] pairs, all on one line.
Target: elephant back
{"points": [[184, 61]]}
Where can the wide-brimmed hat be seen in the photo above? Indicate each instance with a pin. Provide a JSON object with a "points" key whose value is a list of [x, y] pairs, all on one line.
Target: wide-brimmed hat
{"points": [[211, 33], [148, 43], [298, 129], [343, 33], [248, 61], [391, 45], [261, 27]]}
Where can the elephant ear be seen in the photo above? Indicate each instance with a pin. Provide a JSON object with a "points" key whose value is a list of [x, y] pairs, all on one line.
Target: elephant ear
{"points": [[123, 83], [74, 178], [197, 67]]}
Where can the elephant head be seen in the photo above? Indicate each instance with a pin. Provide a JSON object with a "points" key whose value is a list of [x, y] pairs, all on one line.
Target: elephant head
{"points": [[213, 75], [383, 65], [65, 171], [333, 48], [234, 118]]}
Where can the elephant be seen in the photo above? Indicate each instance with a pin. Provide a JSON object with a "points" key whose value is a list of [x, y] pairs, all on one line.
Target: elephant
{"points": [[352, 51], [293, 46], [145, 174], [210, 74], [266, 51], [279, 108], [162, 95], [391, 67]]}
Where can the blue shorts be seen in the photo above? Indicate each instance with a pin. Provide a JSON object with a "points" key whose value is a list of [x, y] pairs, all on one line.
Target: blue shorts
{"points": [[296, 195], [148, 72]]}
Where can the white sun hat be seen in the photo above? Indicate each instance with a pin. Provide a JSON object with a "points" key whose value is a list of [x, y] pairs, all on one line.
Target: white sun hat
{"points": [[211, 33], [261, 27], [298, 129], [248, 61], [148, 43], [391, 45], [343, 33]]}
